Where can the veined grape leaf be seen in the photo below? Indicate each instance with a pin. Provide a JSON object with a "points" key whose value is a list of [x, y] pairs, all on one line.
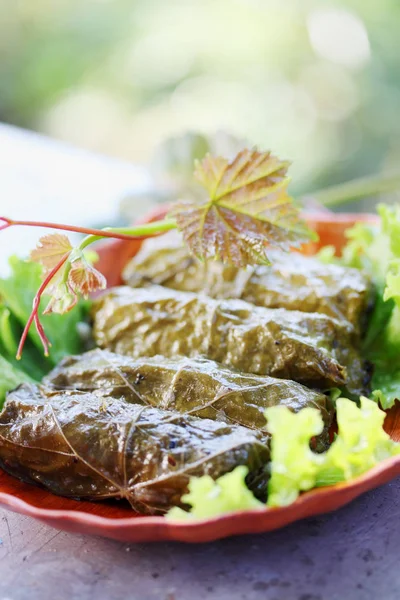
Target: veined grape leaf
{"points": [[84, 279], [247, 211], [50, 250]]}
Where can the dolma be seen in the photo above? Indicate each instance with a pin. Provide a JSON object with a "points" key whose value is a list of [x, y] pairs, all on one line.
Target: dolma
{"points": [[195, 386], [292, 281], [313, 349], [88, 446]]}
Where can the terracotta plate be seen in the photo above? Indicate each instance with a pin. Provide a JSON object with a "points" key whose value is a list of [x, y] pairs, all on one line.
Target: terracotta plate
{"points": [[119, 522]]}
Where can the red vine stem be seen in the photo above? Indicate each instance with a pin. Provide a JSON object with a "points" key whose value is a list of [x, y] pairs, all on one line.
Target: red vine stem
{"points": [[43, 337], [34, 317], [6, 222]]}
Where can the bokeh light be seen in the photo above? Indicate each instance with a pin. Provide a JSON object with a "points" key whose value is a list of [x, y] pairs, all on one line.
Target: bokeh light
{"points": [[340, 36], [319, 83]]}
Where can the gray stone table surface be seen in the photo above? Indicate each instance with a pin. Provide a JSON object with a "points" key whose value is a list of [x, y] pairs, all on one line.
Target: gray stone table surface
{"points": [[350, 554]]}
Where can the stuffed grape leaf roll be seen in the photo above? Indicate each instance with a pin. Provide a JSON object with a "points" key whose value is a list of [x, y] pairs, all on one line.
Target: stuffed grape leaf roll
{"points": [[313, 349], [195, 386], [292, 281], [88, 446]]}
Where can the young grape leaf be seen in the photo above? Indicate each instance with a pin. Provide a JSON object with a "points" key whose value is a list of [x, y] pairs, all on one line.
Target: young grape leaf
{"points": [[63, 299], [50, 250], [247, 211], [79, 276], [84, 279]]}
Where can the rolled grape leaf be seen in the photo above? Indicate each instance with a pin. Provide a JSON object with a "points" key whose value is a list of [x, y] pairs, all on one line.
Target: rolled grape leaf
{"points": [[312, 349], [195, 386], [88, 446], [292, 281]]}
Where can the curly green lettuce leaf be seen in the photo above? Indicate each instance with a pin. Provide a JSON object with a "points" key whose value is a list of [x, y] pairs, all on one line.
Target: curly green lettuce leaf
{"points": [[386, 384], [209, 498], [392, 289], [384, 352], [376, 250], [294, 466], [361, 444], [371, 247]]}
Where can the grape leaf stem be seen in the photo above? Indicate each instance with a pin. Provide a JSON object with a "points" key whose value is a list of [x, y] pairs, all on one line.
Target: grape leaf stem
{"points": [[137, 232], [34, 317]]}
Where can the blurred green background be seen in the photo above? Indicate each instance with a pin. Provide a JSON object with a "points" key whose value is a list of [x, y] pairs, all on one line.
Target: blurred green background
{"points": [[317, 82]]}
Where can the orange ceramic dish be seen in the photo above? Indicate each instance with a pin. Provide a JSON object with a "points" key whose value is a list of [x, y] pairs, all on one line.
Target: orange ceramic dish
{"points": [[119, 522]]}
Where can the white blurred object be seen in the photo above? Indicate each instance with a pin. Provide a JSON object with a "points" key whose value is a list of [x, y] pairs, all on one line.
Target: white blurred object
{"points": [[339, 36], [41, 179]]}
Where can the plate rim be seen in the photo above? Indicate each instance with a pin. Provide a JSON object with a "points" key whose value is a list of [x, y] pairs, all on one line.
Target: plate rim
{"points": [[155, 528]]}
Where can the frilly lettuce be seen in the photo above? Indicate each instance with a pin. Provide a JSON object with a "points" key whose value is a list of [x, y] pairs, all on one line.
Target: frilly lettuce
{"points": [[385, 349], [209, 498], [361, 443], [294, 466], [376, 249]]}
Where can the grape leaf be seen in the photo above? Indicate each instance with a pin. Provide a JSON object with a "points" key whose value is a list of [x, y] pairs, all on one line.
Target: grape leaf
{"points": [[50, 250], [247, 211], [84, 278]]}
